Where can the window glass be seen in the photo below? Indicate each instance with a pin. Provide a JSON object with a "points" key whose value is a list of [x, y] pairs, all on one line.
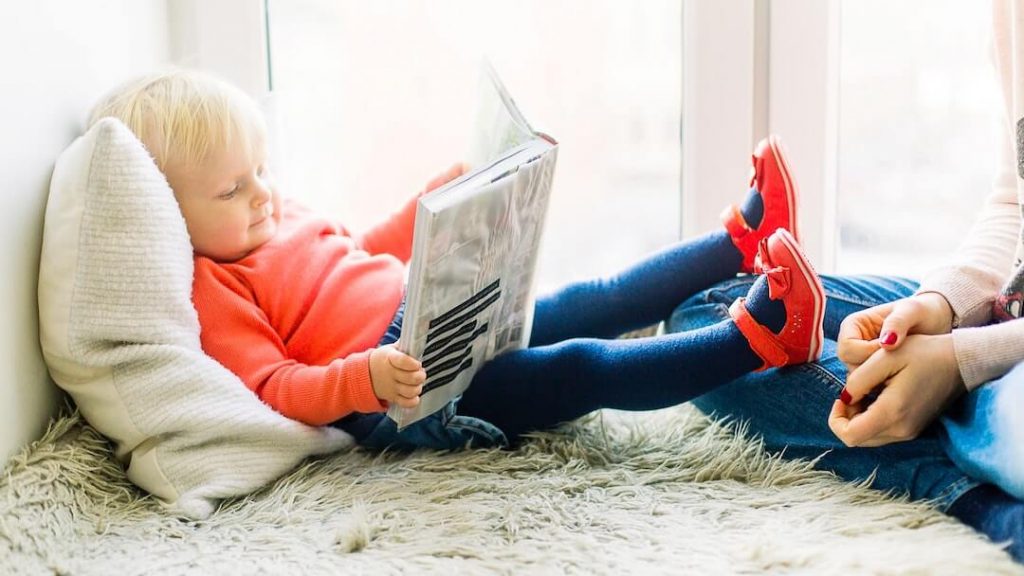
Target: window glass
{"points": [[374, 98], [917, 109]]}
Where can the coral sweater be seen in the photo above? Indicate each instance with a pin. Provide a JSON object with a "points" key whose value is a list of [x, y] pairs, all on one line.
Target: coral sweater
{"points": [[296, 319]]}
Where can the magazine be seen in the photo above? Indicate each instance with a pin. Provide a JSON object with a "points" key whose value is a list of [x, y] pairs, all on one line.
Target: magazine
{"points": [[475, 245]]}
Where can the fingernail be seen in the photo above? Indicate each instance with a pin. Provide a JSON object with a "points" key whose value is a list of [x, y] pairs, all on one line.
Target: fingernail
{"points": [[889, 338], [845, 397]]}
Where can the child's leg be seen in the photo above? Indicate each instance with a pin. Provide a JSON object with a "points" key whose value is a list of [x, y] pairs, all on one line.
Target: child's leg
{"points": [[540, 387], [647, 292], [642, 295]]}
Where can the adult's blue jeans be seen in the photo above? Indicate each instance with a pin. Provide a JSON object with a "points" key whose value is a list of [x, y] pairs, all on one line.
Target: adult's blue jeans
{"points": [[974, 442], [984, 434]]}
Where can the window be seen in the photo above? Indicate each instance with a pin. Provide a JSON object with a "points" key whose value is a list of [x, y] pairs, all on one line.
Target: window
{"points": [[886, 108], [375, 98], [917, 104]]}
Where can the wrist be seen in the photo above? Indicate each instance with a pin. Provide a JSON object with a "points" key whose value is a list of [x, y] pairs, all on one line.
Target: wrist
{"points": [[941, 316], [373, 369], [357, 377], [948, 352]]}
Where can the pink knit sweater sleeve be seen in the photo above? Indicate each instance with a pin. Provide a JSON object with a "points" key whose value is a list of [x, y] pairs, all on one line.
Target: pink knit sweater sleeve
{"points": [[971, 282], [985, 260], [981, 265]]}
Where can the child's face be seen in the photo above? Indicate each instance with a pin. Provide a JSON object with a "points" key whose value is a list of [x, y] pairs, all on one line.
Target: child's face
{"points": [[228, 201]]}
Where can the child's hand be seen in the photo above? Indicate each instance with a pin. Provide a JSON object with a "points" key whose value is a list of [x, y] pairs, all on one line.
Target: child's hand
{"points": [[397, 378], [447, 176]]}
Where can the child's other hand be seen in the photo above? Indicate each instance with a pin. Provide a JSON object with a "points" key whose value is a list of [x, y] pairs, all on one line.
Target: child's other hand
{"points": [[397, 378], [447, 176]]}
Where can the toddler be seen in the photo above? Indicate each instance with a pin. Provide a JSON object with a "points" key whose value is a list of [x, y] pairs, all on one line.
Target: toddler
{"points": [[306, 312]]}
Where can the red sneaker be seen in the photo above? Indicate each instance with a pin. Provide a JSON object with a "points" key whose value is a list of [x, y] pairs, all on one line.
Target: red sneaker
{"points": [[792, 279], [772, 179]]}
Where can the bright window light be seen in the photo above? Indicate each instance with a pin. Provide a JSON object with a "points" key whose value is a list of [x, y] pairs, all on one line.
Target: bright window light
{"points": [[917, 109], [375, 98]]}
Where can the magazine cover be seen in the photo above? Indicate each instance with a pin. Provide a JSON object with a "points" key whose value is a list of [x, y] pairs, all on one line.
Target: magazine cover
{"points": [[475, 245]]}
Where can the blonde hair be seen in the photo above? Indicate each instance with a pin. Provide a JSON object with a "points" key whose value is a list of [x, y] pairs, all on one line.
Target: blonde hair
{"points": [[183, 116]]}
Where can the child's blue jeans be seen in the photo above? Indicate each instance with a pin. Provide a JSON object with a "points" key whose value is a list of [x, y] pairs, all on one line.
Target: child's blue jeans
{"points": [[978, 439]]}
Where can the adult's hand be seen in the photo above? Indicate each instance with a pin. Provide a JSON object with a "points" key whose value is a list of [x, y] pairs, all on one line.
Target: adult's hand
{"points": [[918, 380], [887, 326]]}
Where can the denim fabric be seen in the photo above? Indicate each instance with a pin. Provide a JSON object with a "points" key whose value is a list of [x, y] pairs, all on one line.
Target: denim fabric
{"points": [[442, 430], [643, 294], [789, 407], [984, 432], [575, 364]]}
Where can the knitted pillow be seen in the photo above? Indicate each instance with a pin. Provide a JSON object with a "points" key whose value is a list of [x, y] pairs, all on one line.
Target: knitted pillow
{"points": [[120, 334]]}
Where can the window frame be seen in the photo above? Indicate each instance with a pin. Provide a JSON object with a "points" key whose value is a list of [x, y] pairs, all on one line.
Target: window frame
{"points": [[227, 37], [803, 107]]}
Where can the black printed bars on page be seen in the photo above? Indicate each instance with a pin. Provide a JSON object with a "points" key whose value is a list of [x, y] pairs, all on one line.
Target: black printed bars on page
{"points": [[451, 337]]}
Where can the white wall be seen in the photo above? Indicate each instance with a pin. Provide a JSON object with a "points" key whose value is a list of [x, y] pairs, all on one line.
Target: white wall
{"points": [[57, 57]]}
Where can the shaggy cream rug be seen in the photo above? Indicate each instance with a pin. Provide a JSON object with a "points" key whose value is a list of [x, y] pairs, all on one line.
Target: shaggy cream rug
{"points": [[663, 492]]}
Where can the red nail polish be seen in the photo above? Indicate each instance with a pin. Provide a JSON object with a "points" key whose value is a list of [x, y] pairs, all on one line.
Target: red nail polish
{"points": [[845, 397], [889, 338]]}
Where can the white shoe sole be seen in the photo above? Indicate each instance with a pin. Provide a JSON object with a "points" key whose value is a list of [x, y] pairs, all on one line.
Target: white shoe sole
{"points": [[817, 291], [792, 194]]}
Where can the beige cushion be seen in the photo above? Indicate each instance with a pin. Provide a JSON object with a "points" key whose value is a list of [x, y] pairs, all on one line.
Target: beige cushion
{"points": [[120, 334]]}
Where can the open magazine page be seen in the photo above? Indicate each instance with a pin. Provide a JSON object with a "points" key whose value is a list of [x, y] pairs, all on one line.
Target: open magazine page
{"points": [[471, 286], [498, 125], [475, 245]]}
